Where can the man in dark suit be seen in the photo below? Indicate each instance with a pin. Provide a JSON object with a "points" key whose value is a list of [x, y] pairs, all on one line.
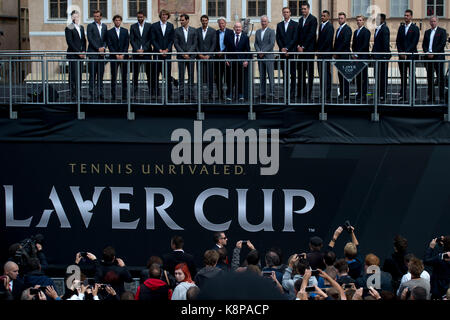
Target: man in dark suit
{"points": [[11, 285], [76, 48], [221, 74], [361, 43], [306, 42], [381, 45], [163, 34], [141, 42], [237, 42], [434, 41], [407, 39], [286, 37], [185, 41], [170, 260], [342, 44], [118, 42], [206, 42], [96, 33], [325, 44]]}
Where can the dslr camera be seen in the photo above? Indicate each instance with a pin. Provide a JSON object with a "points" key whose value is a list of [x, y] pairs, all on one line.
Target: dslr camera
{"points": [[347, 226]]}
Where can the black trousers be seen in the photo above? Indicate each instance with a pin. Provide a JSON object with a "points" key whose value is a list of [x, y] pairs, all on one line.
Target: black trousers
{"points": [[382, 77], [405, 66], [220, 77], [327, 79], [238, 79], [305, 68], [96, 72], [344, 85], [208, 75], [137, 70], [123, 65], [75, 73], [182, 66], [362, 81], [290, 81], [432, 68], [159, 71]]}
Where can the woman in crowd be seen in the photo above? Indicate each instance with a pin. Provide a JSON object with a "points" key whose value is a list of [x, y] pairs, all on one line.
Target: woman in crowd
{"points": [[184, 280]]}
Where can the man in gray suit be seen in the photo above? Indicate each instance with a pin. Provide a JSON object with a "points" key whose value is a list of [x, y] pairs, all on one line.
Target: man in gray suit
{"points": [[264, 42], [185, 41], [206, 42], [96, 34]]}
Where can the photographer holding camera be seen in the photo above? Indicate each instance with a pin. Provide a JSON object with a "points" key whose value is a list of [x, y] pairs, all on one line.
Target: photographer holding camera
{"points": [[440, 262], [111, 271], [30, 248]]}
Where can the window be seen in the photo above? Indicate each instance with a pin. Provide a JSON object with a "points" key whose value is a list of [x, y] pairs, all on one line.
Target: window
{"points": [[359, 7], [435, 8], [398, 7], [58, 9], [101, 5], [256, 8], [296, 8], [216, 8], [134, 6]]}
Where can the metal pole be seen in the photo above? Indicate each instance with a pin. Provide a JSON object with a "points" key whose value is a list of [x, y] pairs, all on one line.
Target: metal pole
{"points": [[165, 81], [130, 115], [375, 115], [412, 82], [12, 114], [200, 114], [288, 80], [447, 116], [323, 115], [81, 115], [251, 114], [44, 90]]}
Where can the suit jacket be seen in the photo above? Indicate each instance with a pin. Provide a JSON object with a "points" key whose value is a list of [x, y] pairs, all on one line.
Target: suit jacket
{"points": [[118, 45], [306, 35], [325, 40], [342, 41], [287, 39], [267, 43], [137, 41], [96, 41], [381, 42], [171, 259], [74, 42], [408, 43], [180, 42], [439, 41], [361, 42], [160, 41], [209, 43], [227, 32], [243, 46]]}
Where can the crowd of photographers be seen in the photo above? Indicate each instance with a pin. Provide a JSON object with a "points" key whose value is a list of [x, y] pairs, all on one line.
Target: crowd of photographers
{"points": [[321, 273]]}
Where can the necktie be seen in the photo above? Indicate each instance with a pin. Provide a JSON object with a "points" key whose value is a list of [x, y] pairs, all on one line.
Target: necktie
{"points": [[323, 25], [357, 34], [339, 31], [237, 40]]}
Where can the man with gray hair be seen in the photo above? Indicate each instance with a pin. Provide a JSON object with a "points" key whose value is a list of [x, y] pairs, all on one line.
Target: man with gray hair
{"points": [[264, 42], [220, 71]]}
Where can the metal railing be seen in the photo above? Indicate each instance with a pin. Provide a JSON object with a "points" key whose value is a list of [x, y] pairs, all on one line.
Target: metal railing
{"points": [[261, 78]]}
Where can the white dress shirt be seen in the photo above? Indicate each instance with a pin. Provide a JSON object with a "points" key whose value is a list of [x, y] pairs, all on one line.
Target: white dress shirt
{"points": [[407, 28], [141, 28], [378, 29], [186, 32], [432, 34], [78, 29], [118, 32], [304, 20], [204, 32], [99, 27], [286, 24], [262, 33], [163, 27], [323, 25]]}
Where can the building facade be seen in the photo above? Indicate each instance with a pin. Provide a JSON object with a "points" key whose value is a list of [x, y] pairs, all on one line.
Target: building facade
{"points": [[14, 25], [48, 18]]}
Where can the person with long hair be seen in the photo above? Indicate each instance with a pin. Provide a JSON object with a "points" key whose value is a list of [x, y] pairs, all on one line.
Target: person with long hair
{"points": [[184, 279]]}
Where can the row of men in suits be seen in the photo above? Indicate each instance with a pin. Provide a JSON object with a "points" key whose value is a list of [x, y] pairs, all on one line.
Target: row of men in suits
{"points": [[293, 37]]}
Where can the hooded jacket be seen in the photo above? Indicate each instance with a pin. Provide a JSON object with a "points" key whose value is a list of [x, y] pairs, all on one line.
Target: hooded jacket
{"points": [[153, 289], [206, 273]]}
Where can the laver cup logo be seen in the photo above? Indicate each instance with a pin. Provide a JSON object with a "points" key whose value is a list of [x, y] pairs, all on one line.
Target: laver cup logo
{"points": [[229, 148]]}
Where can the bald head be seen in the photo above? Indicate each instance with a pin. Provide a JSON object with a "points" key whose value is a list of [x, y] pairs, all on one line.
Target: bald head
{"points": [[11, 269], [238, 27]]}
